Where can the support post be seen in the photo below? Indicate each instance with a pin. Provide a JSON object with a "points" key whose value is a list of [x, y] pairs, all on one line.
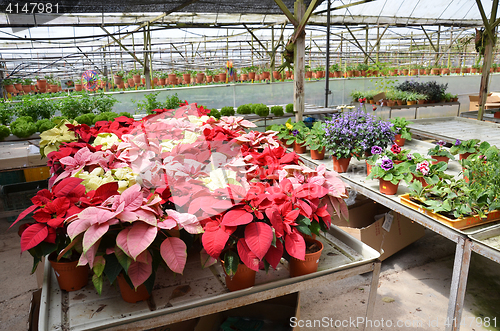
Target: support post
{"points": [[273, 54], [327, 68], [146, 60], [299, 74]]}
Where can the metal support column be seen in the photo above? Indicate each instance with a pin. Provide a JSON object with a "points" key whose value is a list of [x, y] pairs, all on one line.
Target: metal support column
{"points": [[299, 74], [327, 69]]}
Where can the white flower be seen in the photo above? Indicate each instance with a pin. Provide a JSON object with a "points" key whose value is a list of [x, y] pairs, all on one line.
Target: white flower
{"points": [[220, 178], [106, 140]]}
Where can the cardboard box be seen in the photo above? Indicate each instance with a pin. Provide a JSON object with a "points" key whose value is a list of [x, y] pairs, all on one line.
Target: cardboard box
{"points": [[380, 228], [474, 100], [275, 312], [188, 325]]}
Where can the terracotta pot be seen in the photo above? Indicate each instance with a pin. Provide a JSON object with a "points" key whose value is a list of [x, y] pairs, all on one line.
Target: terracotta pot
{"points": [[216, 78], [368, 168], [399, 141], [421, 180], [121, 85], [54, 88], [336, 74], [222, 77], [266, 74], [10, 88], [200, 77], [299, 149], [143, 80], [340, 165], [496, 114], [41, 83], [473, 70], [209, 79], [421, 101], [78, 87], [310, 264], [18, 86], [413, 72], [131, 82], [251, 75], [283, 141], [421, 71], [118, 79], [68, 275], [350, 73], [244, 77], [404, 72], [33, 87], [437, 159], [445, 71], [288, 74], [318, 155], [186, 78], [391, 103], [371, 102], [137, 79], [399, 102], [464, 156], [129, 294], [309, 74], [387, 187], [435, 71], [126, 85], [374, 72], [162, 81], [172, 78], [276, 75], [243, 278]]}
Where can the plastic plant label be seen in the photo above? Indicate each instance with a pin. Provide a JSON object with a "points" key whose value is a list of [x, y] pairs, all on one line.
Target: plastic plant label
{"points": [[388, 222]]}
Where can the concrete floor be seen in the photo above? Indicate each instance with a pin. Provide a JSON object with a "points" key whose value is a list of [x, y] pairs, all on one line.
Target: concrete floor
{"points": [[414, 286]]}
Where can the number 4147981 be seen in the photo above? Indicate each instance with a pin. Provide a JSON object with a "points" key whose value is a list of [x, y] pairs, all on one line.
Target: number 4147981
{"points": [[32, 8]]}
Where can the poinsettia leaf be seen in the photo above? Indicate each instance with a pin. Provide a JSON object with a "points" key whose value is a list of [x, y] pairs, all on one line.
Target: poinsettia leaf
{"points": [[174, 252], [274, 254], [97, 281], [67, 185], [33, 235], [214, 241], [222, 205], [187, 221], [122, 258], [122, 242], [304, 229], [276, 221], [93, 234], [237, 217], [140, 236], [311, 191], [112, 267], [78, 226], [231, 262], [99, 264], [247, 256], [132, 197], [295, 245], [258, 237], [106, 190], [72, 244], [206, 260], [139, 272], [24, 214]]}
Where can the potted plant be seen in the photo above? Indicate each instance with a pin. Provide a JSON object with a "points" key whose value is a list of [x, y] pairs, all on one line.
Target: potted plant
{"points": [[401, 130], [316, 141], [335, 69], [118, 77], [9, 85], [362, 68], [299, 132], [423, 170], [440, 153], [78, 85], [163, 78], [468, 147], [389, 174]]}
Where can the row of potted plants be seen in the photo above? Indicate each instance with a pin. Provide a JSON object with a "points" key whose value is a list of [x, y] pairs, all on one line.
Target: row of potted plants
{"points": [[128, 196]]}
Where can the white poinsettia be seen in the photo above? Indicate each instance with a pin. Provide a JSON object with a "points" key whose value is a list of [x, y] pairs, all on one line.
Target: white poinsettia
{"points": [[220, 178], [125, 177], [106, 140], [198, 120], [97, 177]]}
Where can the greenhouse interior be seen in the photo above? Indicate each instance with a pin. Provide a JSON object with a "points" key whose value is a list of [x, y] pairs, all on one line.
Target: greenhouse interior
{"points": [[265, 165]]}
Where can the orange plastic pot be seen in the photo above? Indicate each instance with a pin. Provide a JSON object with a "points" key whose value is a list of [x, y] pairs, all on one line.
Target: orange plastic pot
{"points": [[464, 156], [309, 265], [299, 149], [27, 88], [368, 168], [129, 294], [78, 87], [318, 154], [137, 79], [283, 141], [399, 141], [9, 88], [222, 77], [118, 79], [243, 278], [387, 187], [437, 159], [421, 180], [340, 165], [251, 75], [69, 276]]}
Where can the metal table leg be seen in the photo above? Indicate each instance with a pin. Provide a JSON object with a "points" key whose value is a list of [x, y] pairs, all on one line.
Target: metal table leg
{"points": [[373, 292], [458, 284]]}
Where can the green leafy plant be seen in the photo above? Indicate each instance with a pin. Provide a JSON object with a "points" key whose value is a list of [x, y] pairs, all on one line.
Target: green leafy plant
{"points": [[244, 109], [4, 132], [86, 119], [227, 111], [400, 126], [35, 107], [277, 110], [44, 125], [421, 167], [120, 73], [149, 104], [297, 132], [23, 127], [440, 150], [215, 113], [468, 146], [260, 109], [72, 107], [7, 81], [27, 81], [315, 139], [387, 170], [7, 111], [289, 108], [334, 67]]}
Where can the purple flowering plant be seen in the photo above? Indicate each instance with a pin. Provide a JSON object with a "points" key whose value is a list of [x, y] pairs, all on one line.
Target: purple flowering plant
{"points": [[395, 153], [469, 146], [440, 150], [388, 170], [291, 132], [351, 133]]}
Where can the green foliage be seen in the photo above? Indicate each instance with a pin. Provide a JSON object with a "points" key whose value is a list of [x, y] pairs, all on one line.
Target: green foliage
{"points": [[439, 150], [6, 112], [107, 116], [289, 108], [244, 109], [260, 109], [277, 110], [23, 127], [124, 113], [400, 126], [172, 102], [86, 119], [103, 103], [215, 113], [149, 104], [4, 132], [393, 175], [227, 111], [316, 137], [73, 107], [44, 125], [468, 146], [36, 107]]}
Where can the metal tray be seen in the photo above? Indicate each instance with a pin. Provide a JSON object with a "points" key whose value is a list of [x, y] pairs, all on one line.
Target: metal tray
{"points": [[189, 295], [487, 237]]}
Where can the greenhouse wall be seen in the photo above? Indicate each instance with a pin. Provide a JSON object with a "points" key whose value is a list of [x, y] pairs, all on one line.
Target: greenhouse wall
{"points": [[280, 93]]}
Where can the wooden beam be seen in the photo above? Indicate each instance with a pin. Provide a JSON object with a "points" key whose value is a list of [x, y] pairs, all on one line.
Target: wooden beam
{"points": [[486, 23], [122, 46], [300, 28], [377, 43], [429, 38], [359, 45], [253, 48], [343, 6], [251, 32], [287, 12], [299, 67]]}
